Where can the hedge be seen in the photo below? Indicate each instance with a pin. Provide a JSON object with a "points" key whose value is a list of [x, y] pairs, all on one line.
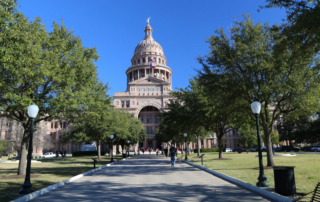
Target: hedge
{"points": [[86, 153], [214, 149]]}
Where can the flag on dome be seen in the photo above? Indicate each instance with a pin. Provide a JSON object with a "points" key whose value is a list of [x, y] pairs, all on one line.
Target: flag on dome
{"points": [[151, 61]]}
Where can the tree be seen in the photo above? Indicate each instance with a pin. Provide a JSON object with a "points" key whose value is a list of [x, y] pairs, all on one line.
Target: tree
{"points": [[5, 147], [248, 137], [53, 70], [301, 26], [251, 67]]}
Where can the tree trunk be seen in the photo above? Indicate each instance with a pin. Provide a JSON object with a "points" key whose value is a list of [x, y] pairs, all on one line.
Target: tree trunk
{"points": [[117, 149], [23, 154], [220, 145], [199, 142], [268, 146], [99, 149]]}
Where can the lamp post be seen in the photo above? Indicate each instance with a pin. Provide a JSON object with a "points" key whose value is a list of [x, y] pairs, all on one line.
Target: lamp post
{"points": [[256, 108], [185, 139], [111, 149], [128, 147], [26, 187]]}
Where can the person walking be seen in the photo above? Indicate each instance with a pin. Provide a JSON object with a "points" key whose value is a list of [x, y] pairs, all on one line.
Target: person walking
{"points": [[166, 152], [173, 152]]}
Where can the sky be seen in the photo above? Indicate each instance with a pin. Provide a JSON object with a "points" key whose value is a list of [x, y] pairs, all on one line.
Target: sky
{"points": [[115, 27]]}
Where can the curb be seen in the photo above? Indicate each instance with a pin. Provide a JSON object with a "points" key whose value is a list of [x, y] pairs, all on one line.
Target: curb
{"points": [[251, 187], [59, 184]]}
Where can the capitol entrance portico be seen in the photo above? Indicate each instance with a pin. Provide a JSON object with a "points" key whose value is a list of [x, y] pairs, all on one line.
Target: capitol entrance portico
{"points": [[148, 86]]}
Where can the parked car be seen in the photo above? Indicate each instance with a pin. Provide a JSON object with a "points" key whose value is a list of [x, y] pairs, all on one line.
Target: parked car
{"points": [[253, 149], [277, 149], [49, 155], [264, 149], [228, 150], [315, 148], [18, 157], [290, 148], [306, 148], [239, 150]]}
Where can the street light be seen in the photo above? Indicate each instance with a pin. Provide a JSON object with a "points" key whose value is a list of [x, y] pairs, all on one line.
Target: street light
{"points": [[128, 147], [111, 149], [256, 108], [185, 139], [26, 187]]}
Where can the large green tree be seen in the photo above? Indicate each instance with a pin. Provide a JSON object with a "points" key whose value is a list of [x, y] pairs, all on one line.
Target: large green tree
{"points": [[51, 69], [302, 24], [252, 68]]}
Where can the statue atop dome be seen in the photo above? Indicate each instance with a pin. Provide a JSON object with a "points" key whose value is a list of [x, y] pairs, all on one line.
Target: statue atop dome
{"points": [[148, 20]]}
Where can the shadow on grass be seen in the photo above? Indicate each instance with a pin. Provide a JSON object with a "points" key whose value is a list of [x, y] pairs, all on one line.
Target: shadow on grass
{"points": [[9, 189]]}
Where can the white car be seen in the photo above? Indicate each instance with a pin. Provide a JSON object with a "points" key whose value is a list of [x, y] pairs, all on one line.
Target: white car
{"points": [[315, 148], [228, 150], [49, 155]]}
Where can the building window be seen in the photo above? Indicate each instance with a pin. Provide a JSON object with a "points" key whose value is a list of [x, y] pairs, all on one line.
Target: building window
{"points": [[151, 118], [141, 117], [122, 104], [138, 61], [142, 89], [157, 118], [148, 119], [151, 132], [156, 89], [138, 102], [147, 89], [151, 89], [64, 124], [148, 130], [51, 124], [128, 104], [143, 60]]}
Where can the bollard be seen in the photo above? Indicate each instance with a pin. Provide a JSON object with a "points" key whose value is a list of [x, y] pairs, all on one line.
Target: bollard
{"points": [[94, 162], [202, 159]]}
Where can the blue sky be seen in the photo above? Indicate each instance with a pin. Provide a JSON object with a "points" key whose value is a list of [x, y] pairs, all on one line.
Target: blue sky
{"points": [[116, 28]]}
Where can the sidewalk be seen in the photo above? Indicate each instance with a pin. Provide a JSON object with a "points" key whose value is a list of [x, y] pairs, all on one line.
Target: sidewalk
{"points": [[150, 178]]}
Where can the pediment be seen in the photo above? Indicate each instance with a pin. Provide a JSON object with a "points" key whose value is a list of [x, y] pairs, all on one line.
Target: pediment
{"points": [[149, 80]]}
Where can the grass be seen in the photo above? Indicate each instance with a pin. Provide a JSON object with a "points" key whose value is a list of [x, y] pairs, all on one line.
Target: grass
{"points": [[51, 171], [241, 166]]}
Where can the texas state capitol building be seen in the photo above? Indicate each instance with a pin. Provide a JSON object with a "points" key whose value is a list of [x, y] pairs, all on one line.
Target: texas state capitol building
{"points": [[147, 88]]}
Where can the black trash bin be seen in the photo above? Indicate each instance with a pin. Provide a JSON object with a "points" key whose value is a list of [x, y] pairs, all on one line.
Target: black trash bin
{"points": [[284, 181], [124, 155]]}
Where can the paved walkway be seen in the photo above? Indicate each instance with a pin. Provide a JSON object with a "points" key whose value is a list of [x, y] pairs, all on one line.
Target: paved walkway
{"points": [[150, 178]]}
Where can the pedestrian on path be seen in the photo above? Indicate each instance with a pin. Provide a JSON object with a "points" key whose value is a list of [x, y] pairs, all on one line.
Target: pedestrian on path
{"points": [[166, 152], [173, 152]]}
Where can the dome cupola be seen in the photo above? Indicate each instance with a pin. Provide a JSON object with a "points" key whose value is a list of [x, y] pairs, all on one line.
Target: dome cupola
{"points": [[148, 45]]}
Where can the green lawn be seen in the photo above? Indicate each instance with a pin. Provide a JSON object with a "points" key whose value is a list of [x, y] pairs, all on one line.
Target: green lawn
{"points": [[51, 171], [306, 172]]}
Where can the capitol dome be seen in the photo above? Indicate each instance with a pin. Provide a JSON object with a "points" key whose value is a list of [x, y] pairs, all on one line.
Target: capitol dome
{"points": [[148, 44]]}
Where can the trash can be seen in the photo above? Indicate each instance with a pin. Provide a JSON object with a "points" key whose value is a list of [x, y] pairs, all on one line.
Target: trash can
{"points": [[124, 155], [284, 181]]}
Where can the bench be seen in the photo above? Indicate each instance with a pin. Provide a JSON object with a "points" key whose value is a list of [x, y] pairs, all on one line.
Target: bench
{"points": [[315, 196], [316, 193]]}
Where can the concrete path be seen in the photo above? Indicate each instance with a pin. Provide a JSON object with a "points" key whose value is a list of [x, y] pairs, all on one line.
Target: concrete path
{"points": [[150, 178]]}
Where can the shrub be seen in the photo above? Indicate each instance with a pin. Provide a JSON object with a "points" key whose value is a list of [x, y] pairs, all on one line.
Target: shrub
{"points": [[214, 149], [86, 153]]}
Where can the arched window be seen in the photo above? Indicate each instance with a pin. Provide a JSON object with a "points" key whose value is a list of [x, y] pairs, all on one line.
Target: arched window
{"points": [[159, 61]]}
